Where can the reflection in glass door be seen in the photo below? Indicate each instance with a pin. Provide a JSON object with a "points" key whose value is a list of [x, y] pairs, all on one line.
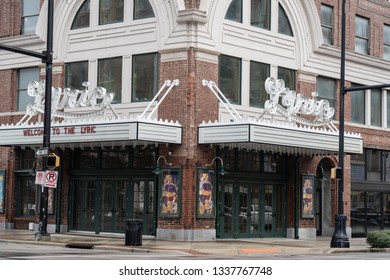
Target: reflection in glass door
{"points": [[251, 210], [113, 206], [103, 205], [274, 210], [84, 201]]}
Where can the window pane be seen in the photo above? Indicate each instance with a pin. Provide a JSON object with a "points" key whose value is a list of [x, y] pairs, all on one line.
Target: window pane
{"points": [[373, 165], [386, 166], [361, 45], [327, 15], [27, 197], [76, 74], [327, 23], [376, 107], [30, 13], [81, 19], [284, 26], [234, 11], [386, 40], [358, 107], [145, 77], [110, 76], [288, 76], [25, 77], [326, 88], [30, 7], [358, 168], [111, 11], [261, 13], [259, 72], [230, 78], [388, 109], [29, 24], [386, 52], [361, 27], [142, 9], [361, 35]]}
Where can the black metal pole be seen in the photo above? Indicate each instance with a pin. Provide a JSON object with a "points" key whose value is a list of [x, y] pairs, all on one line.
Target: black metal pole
{"points": [[340, 237], [47, 116]]}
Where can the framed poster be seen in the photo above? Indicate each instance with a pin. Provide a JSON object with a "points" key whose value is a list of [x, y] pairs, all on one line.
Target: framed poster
{"points": [[170, 193], [205, 194], [307, 196], [2, 191]]}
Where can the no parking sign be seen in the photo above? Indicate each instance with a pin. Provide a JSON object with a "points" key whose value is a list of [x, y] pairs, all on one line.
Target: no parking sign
{"points": [[51, 179]]}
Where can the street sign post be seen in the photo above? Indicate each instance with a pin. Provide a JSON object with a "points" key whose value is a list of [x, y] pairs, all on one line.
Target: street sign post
{"points": [[41, 152]]}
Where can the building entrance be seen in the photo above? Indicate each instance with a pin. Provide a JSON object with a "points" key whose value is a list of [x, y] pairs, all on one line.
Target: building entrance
{"points": [[249, 209], [104, 204]]}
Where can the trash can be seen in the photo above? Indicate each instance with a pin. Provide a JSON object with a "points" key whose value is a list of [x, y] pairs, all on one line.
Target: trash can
{"points": [[133, 234]]}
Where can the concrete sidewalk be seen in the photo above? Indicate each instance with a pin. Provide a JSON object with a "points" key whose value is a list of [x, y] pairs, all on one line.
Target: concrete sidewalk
{"points": [[274, 246]]}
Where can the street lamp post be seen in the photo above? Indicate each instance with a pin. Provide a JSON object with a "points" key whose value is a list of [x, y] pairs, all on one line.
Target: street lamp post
{"points": [[47, 58], [340, 238], [47, 117]]}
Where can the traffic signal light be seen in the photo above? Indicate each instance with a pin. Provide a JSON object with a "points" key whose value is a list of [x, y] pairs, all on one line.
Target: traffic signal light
{"points": [[53, 161]]}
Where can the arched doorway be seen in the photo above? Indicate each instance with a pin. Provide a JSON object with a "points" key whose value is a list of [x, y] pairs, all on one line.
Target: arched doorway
{"points": [[323, 198]]}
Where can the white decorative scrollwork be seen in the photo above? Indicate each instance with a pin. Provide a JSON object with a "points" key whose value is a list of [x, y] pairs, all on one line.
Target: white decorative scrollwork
{"points": [[293, 104], [97, 100]]}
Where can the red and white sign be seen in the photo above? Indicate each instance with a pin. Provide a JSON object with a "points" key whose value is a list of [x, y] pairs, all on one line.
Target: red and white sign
{"points": [[40, 177], [51, 178]]}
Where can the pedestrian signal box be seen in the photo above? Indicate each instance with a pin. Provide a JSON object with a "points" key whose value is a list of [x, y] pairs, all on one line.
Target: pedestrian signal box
{"points": [[53, 161]]}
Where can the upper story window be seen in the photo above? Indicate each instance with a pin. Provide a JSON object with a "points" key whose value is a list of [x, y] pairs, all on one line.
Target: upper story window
{"points": [[230, 78], [326, 89], [284, 26], [111, 11], [110, 76], [142, 9], [373, 165], [358, 106], [75, 74], [261, 13], [259, 72], [25, 76], [327, 24], [30, 14], [376, 107], [234, 11], [288, 76], [386, 42], [361, 35], [145, 76], [81, 19]]}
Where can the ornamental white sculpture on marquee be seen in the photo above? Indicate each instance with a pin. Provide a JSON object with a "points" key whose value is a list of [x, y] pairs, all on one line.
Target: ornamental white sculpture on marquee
{"points": [[293, 104], [98, 100]]}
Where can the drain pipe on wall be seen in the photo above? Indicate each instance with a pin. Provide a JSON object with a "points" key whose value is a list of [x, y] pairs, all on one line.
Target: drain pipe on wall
{"points": [[296, 191]]}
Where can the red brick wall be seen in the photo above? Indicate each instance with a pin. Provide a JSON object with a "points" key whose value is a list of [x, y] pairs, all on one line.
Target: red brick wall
{"points": [[190, 104], [9, 18]]}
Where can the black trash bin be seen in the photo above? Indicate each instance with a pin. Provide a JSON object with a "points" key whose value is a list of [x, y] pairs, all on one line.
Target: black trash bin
{"points": [[133, 234]]}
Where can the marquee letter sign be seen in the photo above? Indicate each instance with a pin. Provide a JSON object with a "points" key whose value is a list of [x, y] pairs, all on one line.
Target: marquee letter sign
{"points": [[97, 99], [293, 104]]}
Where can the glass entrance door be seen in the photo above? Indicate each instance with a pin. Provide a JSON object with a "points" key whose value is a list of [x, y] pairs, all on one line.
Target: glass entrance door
{"points": [[83, 205], [103, 205], [274, 211], [247, 209], [113, 205]]}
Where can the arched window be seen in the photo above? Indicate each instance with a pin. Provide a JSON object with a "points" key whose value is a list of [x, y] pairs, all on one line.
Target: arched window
{"points": [[234, 11], [81, 19], [284, 24], [261, 13], [142, 9]]}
